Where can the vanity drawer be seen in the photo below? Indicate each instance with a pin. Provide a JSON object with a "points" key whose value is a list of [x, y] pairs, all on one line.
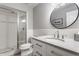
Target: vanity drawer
{"points": [[38, 44], [34, 54], [39, 47], [52, 51], [56, 51], [37, 52]]}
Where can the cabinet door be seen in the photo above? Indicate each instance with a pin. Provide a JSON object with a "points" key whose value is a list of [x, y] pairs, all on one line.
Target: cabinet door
{"points": [[36, 51], [52, 50], [40, 46]]}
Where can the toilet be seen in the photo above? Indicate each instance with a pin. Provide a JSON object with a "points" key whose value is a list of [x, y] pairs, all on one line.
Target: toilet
{"points": [[26, 49]]}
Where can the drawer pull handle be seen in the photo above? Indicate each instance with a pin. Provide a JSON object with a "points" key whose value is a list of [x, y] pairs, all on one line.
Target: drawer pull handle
{"points": [[38, 53], [34, 55], [55, 53], [52, 51], [38, 45]]}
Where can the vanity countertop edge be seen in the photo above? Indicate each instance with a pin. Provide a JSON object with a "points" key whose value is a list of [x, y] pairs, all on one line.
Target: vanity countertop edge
{"points": [[62, 46]]}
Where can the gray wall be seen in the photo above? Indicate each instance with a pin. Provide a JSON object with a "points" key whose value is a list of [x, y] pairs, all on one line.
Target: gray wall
{"points": [[41, 16], [41, 22]]}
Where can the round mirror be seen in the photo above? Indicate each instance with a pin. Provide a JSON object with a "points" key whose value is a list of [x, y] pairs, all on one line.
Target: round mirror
{"points": [[64, 15]]}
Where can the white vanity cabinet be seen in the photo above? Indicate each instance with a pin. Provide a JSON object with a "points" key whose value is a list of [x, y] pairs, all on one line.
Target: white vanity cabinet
{"points": [[56, 51], [52, 51], [41, 48]]}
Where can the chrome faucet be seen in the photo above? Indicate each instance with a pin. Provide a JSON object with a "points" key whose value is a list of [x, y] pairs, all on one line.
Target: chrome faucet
{"points": [[57, 34], [62, 36]]}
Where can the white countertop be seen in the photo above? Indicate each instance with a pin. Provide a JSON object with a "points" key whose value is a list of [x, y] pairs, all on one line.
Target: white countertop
{"points": [[68, 44]]}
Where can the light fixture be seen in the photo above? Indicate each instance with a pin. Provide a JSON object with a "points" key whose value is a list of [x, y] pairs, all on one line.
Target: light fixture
{"points": [[78, 33], [23, 21]]}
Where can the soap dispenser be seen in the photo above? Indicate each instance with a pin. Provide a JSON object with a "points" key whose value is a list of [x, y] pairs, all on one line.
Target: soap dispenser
{"points": [[76, 36]]}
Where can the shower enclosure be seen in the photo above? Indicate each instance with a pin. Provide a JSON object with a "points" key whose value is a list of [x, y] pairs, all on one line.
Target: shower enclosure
{"points": [[12, 28]]}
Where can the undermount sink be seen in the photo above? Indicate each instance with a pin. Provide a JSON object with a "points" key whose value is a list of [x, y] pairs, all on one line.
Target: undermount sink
{"points": [[50, 37], [47, 37]]}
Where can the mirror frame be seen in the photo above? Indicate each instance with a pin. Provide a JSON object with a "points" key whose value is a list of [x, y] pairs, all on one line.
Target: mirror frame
{"points": [[70, 24]]}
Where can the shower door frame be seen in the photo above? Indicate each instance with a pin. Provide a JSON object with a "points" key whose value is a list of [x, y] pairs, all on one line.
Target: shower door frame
{"points": [[18, 23], [17, 12]]}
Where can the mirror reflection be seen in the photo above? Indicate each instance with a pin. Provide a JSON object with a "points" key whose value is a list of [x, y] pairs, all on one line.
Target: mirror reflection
{"points": [[64, 15]]}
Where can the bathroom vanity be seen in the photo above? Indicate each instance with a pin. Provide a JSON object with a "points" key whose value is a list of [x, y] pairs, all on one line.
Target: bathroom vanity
{"points": [[52, 47], [61, 17]]}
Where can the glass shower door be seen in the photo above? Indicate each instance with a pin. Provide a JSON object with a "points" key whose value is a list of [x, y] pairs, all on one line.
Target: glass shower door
{"points": [[22, 28]]}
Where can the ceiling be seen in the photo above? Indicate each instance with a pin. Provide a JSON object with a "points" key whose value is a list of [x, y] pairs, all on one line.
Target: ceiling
{"points": [[31, 5]]}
